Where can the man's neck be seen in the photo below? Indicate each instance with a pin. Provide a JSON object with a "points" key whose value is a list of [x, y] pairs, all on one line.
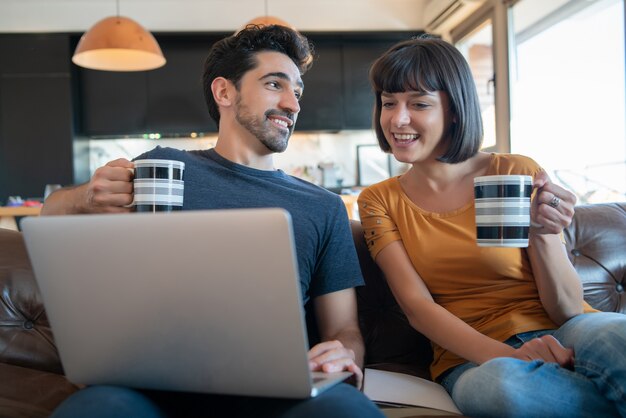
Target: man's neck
{"points": [[241, 152]]}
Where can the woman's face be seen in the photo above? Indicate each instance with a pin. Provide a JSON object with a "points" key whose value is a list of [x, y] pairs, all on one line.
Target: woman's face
{"points": [[415, 124]]}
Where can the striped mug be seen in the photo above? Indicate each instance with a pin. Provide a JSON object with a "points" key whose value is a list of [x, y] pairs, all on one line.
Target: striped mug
{"points": [[502, 206], [158, 185]]}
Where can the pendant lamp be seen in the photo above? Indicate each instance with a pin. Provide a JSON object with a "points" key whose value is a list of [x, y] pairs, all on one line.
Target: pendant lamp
{"points": [[268, 20], [118, 43]]}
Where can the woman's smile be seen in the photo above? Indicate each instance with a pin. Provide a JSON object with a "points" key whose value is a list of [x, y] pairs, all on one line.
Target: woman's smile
{"points": [[401, 139]]}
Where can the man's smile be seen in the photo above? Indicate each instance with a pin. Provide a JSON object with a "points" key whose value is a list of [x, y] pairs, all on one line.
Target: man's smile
{"points": [[284, 122]]}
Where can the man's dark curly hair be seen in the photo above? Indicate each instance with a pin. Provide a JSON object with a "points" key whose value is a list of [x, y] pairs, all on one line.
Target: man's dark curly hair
{"points": [[235, 55]]}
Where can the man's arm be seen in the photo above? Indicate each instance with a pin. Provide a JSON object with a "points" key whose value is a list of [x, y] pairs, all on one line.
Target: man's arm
{"points": [[342, 344], [110, 190]]}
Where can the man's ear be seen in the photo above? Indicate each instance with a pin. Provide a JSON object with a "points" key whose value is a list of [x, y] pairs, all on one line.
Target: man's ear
{"points": [[223, 91]]}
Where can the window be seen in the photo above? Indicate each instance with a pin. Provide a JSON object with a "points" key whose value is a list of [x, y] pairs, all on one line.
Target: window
{"points": [[568, 95], [478, 51]]}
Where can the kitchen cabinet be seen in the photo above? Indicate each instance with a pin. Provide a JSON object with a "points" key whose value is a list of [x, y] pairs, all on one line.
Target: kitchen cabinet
{"points": [[322, 101], [34, 54], [337, 92], [175, 96], [113, 103], [35, 114], [170, 100], [359, 53]]}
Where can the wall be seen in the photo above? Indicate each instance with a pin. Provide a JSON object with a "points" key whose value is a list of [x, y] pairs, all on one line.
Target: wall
{"points": [[212, 15], [305, 153]]}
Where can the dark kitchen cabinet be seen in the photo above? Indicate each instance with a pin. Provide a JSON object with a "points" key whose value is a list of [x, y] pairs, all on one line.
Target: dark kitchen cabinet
{"points": [[113, 103], [168, 100], [337, 92], [35, 114], [322, 101], [358, 56], [175, 93]]}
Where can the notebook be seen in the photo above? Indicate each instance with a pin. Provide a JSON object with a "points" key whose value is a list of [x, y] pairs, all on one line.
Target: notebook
{"points": [[197, 301]]}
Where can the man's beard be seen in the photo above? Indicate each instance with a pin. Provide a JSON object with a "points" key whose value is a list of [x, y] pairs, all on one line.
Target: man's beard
{"points": [[274, 138]]}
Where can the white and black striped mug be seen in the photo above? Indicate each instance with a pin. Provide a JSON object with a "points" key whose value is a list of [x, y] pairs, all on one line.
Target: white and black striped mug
{"points": [[502, 205], [158, 185]]}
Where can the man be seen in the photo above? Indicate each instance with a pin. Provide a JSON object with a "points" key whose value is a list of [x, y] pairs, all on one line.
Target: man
{"points": [[252, 83]]}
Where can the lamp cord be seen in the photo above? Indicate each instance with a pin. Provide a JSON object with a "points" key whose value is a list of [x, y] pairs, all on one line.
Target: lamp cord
{"points": [[266, 14], [117, 7]]}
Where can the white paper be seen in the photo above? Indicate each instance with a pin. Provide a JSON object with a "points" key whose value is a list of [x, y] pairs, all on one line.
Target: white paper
{"points": [[400, 388]]}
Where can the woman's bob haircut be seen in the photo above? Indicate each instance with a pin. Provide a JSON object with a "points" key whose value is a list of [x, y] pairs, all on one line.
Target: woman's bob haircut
{"points": [[428, 64]]}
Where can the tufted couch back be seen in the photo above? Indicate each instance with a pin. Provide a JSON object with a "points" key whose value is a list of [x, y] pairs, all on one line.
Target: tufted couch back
{"points": [[596, 245], [25, 335], [31, 383]]}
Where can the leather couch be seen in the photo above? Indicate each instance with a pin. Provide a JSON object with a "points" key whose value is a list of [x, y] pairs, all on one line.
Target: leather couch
{"points": [[31, 376]]}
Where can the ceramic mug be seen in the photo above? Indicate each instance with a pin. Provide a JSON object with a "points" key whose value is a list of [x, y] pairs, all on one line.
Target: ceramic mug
{"points": [[502, 205], [158, 185]]}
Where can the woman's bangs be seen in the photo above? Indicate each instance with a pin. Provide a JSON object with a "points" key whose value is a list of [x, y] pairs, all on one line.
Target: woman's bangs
{"points": [[407, 73]]}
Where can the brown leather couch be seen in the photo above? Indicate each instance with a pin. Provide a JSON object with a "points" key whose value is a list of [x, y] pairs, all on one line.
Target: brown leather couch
{"points": [[31, 376]]}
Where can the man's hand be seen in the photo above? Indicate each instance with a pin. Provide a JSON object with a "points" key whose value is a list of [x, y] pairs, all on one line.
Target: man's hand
{"points": [[332, 356], [110, 190], [548, 349]]}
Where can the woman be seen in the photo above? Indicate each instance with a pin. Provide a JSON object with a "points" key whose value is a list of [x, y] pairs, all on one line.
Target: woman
{"points": [[512, 335]]}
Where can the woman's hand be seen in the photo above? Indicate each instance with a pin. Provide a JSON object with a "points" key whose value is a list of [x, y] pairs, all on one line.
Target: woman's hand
{"points": [[552, 209], [548, 349]]}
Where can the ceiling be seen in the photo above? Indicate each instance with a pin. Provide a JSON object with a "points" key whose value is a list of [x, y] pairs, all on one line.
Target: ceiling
{"points": [[216, 15]]}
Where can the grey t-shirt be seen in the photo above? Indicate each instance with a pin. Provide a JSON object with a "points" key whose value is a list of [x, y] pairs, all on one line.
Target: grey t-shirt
{"points": [[326, 256]]}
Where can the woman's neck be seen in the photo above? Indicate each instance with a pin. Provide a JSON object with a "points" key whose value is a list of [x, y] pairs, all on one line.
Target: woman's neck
{"points": [[442, 187]]}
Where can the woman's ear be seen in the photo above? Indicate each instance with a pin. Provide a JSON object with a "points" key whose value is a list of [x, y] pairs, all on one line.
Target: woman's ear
{"points": [[223, 92]]}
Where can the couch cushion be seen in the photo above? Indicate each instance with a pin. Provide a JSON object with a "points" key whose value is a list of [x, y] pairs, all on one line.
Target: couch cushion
{"points": [[25, 335], [391, 343], [31, 393], [596, 245]]}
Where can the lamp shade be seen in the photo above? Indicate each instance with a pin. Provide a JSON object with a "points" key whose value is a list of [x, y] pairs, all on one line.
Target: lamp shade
{"points": [[118, 43], [269, 20]]}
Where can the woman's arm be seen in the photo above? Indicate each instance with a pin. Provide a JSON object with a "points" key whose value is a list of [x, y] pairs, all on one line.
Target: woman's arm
{"points": [[559, 286], [428, 317], [445, 329]]}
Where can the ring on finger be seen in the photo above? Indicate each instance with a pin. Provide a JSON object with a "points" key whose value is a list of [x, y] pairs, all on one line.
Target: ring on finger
{"points": [[554, 202]]}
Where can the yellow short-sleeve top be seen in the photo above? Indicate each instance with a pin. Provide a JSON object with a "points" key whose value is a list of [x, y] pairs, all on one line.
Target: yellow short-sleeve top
{"points": [[490, 288]]}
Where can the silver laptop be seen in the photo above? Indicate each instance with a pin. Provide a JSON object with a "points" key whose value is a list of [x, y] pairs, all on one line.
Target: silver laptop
{"points": [[198, 301]]}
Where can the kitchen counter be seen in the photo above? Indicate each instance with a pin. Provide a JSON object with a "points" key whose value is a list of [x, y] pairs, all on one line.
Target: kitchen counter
{"points": [[351, 205], [9, 213]]}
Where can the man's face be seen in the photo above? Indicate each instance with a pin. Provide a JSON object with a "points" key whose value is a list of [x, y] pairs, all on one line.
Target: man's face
{"points": [[267, 102]]}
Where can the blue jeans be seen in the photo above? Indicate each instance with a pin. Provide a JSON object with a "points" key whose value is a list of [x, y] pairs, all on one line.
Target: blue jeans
{"points": [[508, 387], [341, 401]]}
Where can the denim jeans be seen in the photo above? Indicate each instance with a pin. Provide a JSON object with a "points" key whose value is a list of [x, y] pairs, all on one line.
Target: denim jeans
{"points": [[341, 401], [508, 387]]}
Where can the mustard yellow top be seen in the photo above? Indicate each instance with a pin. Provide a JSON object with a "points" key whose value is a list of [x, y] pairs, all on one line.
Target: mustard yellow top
{"points": [[490, 288]]}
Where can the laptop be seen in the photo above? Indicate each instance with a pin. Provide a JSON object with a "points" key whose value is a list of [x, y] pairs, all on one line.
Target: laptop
{"points": [[195, 301]]}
